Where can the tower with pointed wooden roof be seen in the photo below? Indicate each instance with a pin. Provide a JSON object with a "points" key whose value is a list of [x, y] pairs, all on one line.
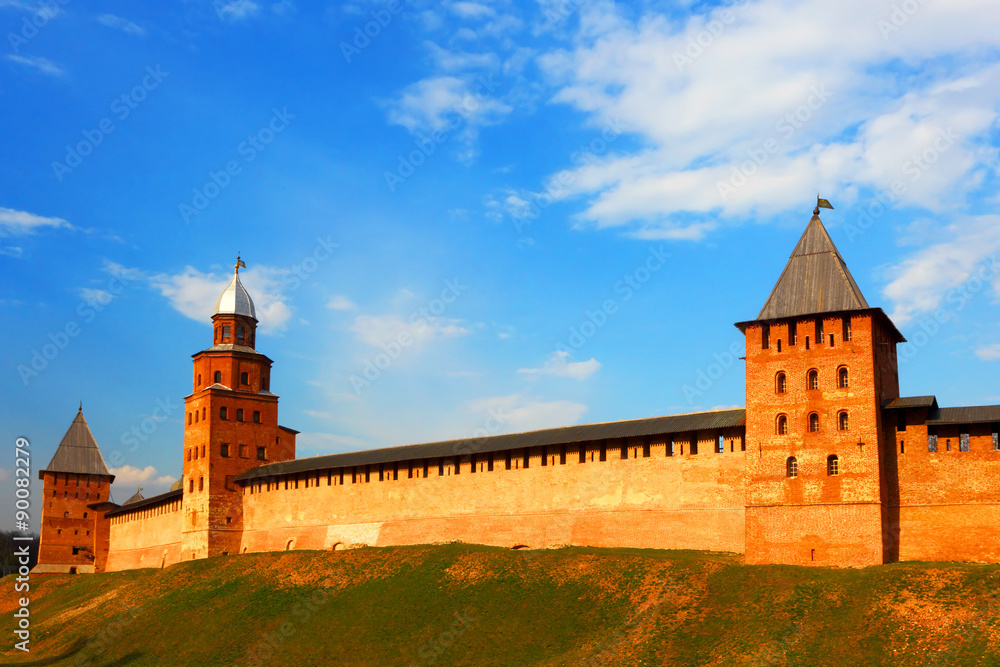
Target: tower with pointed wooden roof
{"points": [[820, 363], [75, 478]]}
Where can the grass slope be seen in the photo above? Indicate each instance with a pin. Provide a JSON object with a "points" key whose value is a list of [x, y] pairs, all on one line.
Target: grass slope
{"points": [[472, 605]]}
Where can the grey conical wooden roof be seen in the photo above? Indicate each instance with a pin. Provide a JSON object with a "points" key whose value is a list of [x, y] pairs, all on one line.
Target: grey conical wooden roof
{"points": [[815, 280], [78, 451], [136, 497]]}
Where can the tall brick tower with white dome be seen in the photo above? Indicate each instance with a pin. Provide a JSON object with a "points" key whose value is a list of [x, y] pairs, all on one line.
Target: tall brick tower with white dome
{"points": [[231, 426]]}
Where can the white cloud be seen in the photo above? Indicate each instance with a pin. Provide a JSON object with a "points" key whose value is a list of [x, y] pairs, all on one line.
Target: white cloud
{"points": [[699, 117], [129, 478], [472, 10], [194, 293], [95, 297], [559, 365], [12, 251], [989, 352], [376, 330], [519, 413], [948, 274], [14, 222], [456, 107], [122, 24], [236, 10], [340, 302], [452, 61], [43, 65]]}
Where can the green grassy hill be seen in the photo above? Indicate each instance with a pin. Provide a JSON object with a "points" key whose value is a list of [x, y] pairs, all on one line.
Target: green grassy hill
{"points": [[471, 605]]}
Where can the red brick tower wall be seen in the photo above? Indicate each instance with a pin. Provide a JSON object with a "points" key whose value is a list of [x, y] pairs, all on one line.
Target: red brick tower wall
{"points": [[816, 518], [67, 522], [213, 508]]}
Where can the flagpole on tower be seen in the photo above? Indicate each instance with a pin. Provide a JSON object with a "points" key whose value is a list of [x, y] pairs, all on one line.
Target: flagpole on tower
{"points": [[821, 203]]}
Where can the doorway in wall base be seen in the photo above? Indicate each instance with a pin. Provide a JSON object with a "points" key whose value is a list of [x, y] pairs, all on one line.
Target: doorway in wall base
{"points": [[339, 546], [288, 547], [518, 547], [72, 570]]}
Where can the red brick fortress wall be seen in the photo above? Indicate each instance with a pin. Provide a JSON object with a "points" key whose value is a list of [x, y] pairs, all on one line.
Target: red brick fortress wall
{"points": [[149, 537], [689, 501], [949, 500]]}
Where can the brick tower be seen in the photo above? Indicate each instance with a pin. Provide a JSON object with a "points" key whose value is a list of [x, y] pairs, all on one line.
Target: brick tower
{"points": [[820, 362], [231, 426], [75, 477]]}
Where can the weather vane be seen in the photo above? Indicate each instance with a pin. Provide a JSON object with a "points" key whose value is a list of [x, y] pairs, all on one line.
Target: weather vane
{"points": [[821, 203], [239, 264]]}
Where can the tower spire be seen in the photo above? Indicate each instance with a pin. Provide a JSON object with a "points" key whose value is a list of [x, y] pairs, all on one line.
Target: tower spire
{"points": [[239, 264]]}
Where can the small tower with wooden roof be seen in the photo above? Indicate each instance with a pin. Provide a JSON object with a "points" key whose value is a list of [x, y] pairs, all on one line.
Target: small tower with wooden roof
{"points": [[820, 363], [75, 478]]}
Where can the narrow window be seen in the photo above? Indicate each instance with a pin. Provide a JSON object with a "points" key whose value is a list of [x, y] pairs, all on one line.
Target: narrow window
{"points": [[507, 459], [963, 439], [239, 414], [562, 455], [720, 445], [199, 379], [779, 345], [473, 463], [191, 486], [814, 423], [807, 342], [901, 421], [583, 453], [244, 378], [256, 416], [645, 448], [846, 324], [441, 467], [223, 413], [624, 453], [813, 382], [819, 330], [489, 463], [545, 456], [765, 336], [527, 457], [240, 333], [781, 383], [195, 416], [201, 483], [932, 442], [831, 340], [203, 451], [261, 454], [217, 377], [694, 444], [832, 465], [793, 334], [782, 427], [902, 447], [669, 447], [224, 450], [226, 332], [841, 422], [604, 451], [791, 467]]}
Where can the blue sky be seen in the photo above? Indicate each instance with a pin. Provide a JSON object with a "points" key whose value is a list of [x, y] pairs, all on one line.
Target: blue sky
{"points": [[562, 207]]}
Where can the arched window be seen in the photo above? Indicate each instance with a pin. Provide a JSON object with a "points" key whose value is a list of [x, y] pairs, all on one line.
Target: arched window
{"points": [[842, 421], [223, 412], [814, 423], [781, 383], [842, 378], [792, 467], [781, 428], [813, 381], [199, 379], [832, 465], [218, 376]]}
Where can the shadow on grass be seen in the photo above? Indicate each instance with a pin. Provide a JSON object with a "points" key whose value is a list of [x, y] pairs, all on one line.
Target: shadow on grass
{"points": [[74, 650]]}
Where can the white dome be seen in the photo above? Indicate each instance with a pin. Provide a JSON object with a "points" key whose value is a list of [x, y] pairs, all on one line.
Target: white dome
{"points": [[235, 300]]}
